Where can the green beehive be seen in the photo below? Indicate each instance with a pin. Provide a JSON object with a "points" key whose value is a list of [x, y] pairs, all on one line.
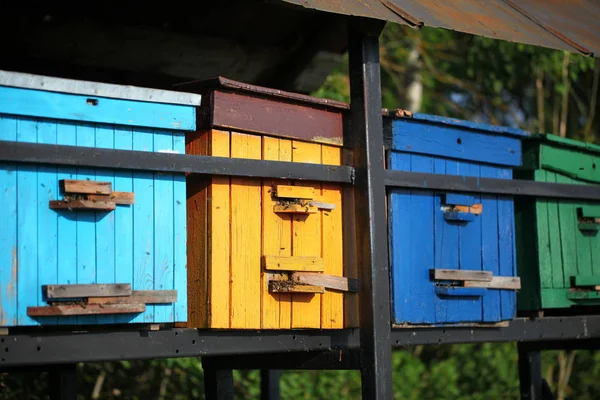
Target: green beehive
{"points": [[558, 243]]}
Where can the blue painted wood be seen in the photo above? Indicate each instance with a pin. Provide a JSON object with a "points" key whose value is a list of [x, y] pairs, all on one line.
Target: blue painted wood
{"points": [[180, 236], [28, 289], [470, 250], [142, 244], [421, 217], [451, 141], [124, 271], [8, 233], [143, 225], [400, 249], [459, 123], [459, 199], [71, 107], [506, 228], [106, 231], [163, 228], [47, 220], [489, 248], [421, 224], [67, 222], [452, 291], [458, 216]]}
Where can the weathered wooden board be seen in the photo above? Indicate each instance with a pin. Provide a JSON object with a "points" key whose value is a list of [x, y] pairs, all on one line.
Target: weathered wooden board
{"points": [[461, 275], [138, 297], [327, 281], [292, 287], [114, 197], [497, 282], [86, 309], [295, 209], [82, 205], [86, 187], [294, 263], [76, 291]]}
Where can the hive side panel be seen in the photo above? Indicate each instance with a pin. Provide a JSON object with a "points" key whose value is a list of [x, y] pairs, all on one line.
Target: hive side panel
{"points": [[439, 249], [219, 236], [123, 219], [276, 237], [105, 224], [8, 233], [332, 303], [28, 292], [163, 229], [351, 316], [143, 225], [285, 300], [470, 245], [543, 236], [569, 231], [245, 237], [558, 281], [306, 241], [197, 220], [489, 249], [180, 237], [506, 215]]}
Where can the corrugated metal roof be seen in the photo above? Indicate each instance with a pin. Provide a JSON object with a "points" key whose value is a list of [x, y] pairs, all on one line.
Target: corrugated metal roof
{"points": [[572, 25]]}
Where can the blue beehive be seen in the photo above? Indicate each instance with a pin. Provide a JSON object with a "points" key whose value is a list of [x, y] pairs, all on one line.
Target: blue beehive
{"points": [[142, 244], [433, 231]]}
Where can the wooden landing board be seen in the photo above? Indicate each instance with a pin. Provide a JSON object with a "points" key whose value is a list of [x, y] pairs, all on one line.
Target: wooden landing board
{"points": [[461, 275], [327, 281], [290, 263], [92, 290], [85, 309], [89, 205], [497, 282], [292, 287], [115, 197], [139, 297], [86, 187], [295, 209]]}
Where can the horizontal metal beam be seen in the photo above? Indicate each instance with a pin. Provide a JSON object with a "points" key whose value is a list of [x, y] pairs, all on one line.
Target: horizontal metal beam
{"points": [[32, 347], [314, 360], [165, 162], [515, 187]]}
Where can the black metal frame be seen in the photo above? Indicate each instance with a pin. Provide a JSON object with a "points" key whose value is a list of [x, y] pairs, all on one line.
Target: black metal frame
{"points": [[339, 349]]}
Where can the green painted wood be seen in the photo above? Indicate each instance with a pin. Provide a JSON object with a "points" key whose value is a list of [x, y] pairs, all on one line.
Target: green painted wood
{"points": [[576, 296], [586, 280], [562, 246]]}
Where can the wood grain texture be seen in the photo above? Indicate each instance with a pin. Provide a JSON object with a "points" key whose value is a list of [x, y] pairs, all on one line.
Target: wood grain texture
{"points": [[241, 112], [114, 197], [332, 303], [86, 186], [327, 281], [197, 221], [92, 290], [245, 238], [219, 237], [82, 205], [306, 241], [295, 209], [457, 275], [295, 263], [281, 287], [294, 192], [139, 297], [87, 309], [497, 282]]}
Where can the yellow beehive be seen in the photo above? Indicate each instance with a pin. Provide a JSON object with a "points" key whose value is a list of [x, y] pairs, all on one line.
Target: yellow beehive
{"points": [[245, 232]]}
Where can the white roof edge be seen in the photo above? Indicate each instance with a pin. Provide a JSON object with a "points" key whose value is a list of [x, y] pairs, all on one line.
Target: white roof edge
{"points": [[88, 88]]}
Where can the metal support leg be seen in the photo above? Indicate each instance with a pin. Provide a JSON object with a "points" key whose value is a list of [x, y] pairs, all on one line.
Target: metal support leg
{"points": [[218, 384], [366, 139], [269, 384], [63, 382], [530, 372]]}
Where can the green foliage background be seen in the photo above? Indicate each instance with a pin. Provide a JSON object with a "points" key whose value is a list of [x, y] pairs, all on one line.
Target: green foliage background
{"points": [[461, 76]]}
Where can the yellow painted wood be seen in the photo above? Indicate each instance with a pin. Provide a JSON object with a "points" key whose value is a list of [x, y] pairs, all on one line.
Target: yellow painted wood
{"points": [[295, 192], [306, 241], [332, 303], [276, 237], [295, 209], [245, 238], [351, 317], [295, 263], [219, 237], [285, 300]]}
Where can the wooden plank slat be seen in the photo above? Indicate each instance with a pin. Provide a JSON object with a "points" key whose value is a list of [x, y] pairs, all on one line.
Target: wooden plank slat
{"points": [[76, 291], [476, 209], [458, 275], [586, 280], [294, 192], [295, 263], [497, 282], [295, 209], [292, 287], [86, 186], [139, 297], [85, 309], [327, 281], [115, 197], [89, 205]]}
